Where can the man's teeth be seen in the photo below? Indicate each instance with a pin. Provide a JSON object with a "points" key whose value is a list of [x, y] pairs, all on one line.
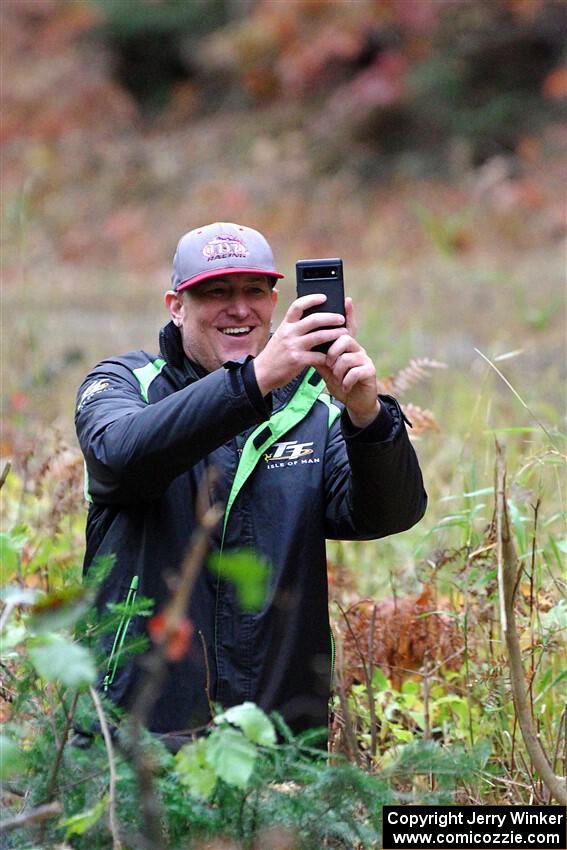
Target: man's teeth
{"points": [[236, 330]]}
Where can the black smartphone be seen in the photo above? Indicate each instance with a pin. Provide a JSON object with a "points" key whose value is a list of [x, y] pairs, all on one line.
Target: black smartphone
{"points": [[326, 276]]}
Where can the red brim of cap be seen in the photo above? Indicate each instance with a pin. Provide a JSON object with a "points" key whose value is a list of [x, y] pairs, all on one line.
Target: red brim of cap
{"points": [[221, 272]]}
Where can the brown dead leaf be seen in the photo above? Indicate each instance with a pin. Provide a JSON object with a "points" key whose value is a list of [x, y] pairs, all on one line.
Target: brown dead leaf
{"points": [[408, 632]]}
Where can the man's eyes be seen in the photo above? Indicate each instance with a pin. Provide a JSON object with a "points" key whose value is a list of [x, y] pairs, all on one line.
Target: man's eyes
{"points": [[219, 292]]}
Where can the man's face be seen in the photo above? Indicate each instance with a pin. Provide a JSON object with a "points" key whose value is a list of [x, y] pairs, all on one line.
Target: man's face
{"points": [[223, 318]]}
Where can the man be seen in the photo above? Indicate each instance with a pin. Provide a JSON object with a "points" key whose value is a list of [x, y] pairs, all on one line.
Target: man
{"points": [[297, 465]]}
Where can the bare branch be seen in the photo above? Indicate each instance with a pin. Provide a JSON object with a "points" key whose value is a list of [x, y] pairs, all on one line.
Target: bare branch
{"points": [[112, 820], [350, 737], [507, 578], [49, 810], [155, 663], [208, 673], [5, 473], [370, 692], [367, 671], [52, 788], [6, 614]]}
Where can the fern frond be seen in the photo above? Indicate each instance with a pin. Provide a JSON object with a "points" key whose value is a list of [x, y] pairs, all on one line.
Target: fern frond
{"points": [[418, 370], [421, 420]]}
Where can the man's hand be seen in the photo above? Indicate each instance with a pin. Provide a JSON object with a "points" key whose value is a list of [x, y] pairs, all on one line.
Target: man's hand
{"points": [[288, 351], [350, 374], [347, 369]]}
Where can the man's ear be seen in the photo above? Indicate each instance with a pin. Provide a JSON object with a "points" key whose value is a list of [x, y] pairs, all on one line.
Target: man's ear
{"points": [[275, 294], [175, 306]]}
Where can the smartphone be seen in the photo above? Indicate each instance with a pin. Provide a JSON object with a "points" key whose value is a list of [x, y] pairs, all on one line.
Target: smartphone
{"points": [[326, 276]]}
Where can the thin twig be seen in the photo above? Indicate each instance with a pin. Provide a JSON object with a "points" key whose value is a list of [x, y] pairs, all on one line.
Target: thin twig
{"points": [[61, 699], [197, 551], [532, 606], [425, 691], [155, 664], [8, 608], [112, 819], [88, 778], [152, 838], [52, 787], [5, 473], [42, 813], [494, 780], [562, 722], [350, 737], [507, 574], [51, 713], [367, 677], [467, 669], [532, 785], [371, 700], [208, 674]]}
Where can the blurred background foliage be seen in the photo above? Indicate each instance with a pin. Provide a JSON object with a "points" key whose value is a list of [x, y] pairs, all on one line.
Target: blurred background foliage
{"points": [[421, 140]]}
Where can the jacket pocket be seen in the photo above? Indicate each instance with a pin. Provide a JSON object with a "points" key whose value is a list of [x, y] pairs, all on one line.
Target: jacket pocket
{"points": [[120, 635]]}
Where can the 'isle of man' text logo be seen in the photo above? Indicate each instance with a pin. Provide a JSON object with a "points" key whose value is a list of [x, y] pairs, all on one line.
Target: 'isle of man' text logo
{"points": [[289, 453]]}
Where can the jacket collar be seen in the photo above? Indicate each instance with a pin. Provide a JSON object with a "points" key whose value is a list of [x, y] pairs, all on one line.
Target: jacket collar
{"points": [[184, 371], [171, 346]]}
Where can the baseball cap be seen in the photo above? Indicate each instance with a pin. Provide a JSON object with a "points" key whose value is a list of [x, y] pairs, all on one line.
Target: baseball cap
{"points": [[220, 248]]}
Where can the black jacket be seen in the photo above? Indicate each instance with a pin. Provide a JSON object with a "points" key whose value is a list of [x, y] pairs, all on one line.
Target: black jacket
{"points": [[148, 428]]}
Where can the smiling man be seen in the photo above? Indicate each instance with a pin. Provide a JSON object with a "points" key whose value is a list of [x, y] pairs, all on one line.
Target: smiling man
{"points": [[305, 450]]}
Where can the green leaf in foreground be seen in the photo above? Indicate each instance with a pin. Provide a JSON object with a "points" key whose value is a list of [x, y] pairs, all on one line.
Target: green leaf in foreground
{"points": [[11, 757], [13, 594], [247, 572], [232, 756], [13, 634], [78, 824], [59, 609], [58, 658], [194, 770], [9, 556], [257, 727]]}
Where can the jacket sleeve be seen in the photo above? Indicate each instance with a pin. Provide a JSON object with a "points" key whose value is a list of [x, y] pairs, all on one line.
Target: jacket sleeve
{"points": [[133, 450], [373, 481]]}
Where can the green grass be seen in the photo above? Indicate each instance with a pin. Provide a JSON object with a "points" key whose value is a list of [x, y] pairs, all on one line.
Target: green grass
{"points": [[504, 301]]}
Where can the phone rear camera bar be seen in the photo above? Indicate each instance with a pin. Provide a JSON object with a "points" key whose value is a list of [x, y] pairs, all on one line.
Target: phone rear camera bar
{"points": [[319, 273]]}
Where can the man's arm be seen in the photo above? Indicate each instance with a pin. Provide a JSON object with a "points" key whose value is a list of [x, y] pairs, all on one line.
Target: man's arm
{"points": [[347, 369], [133, 450], [374, 485], [373, 480]]}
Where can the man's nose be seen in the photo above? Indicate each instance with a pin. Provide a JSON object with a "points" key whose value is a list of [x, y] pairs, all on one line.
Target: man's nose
{"points": [[239, 306]]}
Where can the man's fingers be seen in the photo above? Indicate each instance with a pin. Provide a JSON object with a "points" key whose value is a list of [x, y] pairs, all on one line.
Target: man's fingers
{"points": [[350, 317], [344, 363], [356, 375], [296, 309], [318, 321], [310, 340], [341, 346]]}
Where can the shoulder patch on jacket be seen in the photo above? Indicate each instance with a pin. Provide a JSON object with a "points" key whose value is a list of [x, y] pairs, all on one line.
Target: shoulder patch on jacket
{"points": [[334, 409], [95, 387], [148, 373]]}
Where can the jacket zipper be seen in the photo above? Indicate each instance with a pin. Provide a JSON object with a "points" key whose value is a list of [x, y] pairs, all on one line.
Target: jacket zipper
{"points": [[120, 635], [306, 393]]}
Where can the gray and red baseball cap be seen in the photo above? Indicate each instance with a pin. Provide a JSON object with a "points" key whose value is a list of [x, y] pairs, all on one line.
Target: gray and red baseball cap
{"points": [[220, 248]]}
